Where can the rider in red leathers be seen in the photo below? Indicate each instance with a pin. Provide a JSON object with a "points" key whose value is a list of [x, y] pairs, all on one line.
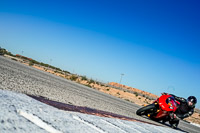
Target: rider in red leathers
{"points": [[185, 109]]}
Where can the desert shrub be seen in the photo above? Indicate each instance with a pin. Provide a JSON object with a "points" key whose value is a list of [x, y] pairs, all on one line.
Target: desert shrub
{"points": [[102, 85], [127, 100], [107, 89], [43, 64], [31, 63], [35, 62], [73, 77], [136, 94], [91, 81], [84, 78], [4, 51], [13, 59], [88, 86], [118, 93], [58, 69], [66, 72]]}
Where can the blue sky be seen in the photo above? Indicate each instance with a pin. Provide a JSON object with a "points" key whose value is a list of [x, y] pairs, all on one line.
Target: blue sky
{"points": [[154, 43]]}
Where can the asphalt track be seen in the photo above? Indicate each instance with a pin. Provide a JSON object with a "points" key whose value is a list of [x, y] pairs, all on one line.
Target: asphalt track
{"points": [[25, 79]]}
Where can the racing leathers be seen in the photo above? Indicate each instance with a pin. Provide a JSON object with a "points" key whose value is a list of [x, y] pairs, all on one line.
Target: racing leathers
{"points": [[183, 109]]}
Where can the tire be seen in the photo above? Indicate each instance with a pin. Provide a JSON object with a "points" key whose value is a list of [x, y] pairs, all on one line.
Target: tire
{"points": [[147, 109]]}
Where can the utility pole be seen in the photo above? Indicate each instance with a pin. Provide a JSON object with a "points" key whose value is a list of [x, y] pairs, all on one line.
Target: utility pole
{"points": [[121, 80]]}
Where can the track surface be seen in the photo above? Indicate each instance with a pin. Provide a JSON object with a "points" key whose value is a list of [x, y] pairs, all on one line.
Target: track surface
{"points": [[21, 78], [22, 114]]}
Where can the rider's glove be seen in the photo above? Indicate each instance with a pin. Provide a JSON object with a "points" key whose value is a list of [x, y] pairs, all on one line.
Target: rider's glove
{"points": [[176, 117], [173, 116]]}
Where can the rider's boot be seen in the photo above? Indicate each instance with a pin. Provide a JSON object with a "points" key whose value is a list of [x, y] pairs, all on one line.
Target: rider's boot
{"points": [[174, 123], [165, 119]]}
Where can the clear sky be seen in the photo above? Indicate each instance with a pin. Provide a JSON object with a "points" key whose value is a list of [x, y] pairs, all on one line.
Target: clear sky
{"points": [[154, 43]]}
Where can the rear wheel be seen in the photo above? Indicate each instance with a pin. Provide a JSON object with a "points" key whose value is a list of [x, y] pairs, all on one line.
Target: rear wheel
{"points": [[145, 110]]}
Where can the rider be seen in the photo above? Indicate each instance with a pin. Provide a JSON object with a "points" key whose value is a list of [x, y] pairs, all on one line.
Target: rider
{"points": [[185, 109]]}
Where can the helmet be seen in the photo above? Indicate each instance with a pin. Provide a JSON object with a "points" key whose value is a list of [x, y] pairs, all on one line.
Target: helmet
{"points": [[191, 100]]}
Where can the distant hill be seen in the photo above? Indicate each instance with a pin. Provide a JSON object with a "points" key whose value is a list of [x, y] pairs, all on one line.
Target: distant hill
{"points": [[134, 90]]}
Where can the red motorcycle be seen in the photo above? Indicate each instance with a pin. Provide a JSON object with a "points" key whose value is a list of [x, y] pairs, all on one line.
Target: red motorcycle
{"points": [[161, 109]]}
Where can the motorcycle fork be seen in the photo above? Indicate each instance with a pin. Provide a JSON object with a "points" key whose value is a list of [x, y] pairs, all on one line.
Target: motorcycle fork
{"points": [[154, 111]]}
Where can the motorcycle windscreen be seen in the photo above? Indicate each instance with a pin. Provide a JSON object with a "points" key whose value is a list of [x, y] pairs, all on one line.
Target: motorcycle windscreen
{"points": [[171, 102]]}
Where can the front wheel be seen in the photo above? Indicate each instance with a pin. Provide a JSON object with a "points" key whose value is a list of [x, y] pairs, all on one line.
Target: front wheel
{"points": [[145, 110]]}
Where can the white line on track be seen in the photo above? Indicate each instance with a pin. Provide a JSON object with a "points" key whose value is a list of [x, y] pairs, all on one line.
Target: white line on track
{"points": [[141, 128], [89, 124], [38, 122], [125, 125], [111, 124]]}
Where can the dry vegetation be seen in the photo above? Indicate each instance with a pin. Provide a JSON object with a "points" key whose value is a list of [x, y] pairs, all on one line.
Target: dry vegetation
{"points": [[121, 91]]}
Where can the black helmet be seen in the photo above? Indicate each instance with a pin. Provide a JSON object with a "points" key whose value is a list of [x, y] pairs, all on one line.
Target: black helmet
{"points": [[193, 100]]}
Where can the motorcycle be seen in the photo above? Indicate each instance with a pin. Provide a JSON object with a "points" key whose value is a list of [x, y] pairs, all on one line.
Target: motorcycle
{"points": [[162, 108]]}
